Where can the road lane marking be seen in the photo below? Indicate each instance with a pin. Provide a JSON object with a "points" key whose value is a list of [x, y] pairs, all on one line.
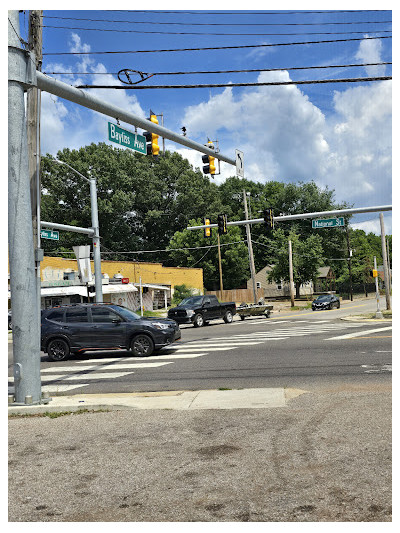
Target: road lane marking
{"points": [[199, 348], [109, 366], [358, 334]]}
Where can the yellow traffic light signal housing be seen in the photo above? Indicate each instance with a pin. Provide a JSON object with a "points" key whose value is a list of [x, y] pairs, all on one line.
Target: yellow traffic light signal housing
{"points": [[152, 138], [207, 231], [269, 218], [209, 160], [222, 224], [210, 167]]}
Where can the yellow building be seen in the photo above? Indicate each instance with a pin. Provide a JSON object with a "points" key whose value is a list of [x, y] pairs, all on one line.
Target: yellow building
{"points": [[157, 282]]}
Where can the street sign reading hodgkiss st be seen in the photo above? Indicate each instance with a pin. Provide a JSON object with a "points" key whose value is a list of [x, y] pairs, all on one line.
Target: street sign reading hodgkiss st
{"points": [[328, 222], [126, 138]]}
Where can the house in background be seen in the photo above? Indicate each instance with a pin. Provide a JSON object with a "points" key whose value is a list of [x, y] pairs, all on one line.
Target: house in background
{"points": [[272, 289], [326, 281]]}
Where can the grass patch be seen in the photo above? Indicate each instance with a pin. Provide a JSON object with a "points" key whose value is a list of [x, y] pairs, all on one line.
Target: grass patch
{"points": [[386, 314], [301, 307], [58, 414]]}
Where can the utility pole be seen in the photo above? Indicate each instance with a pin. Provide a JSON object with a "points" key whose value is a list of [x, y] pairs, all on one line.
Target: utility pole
{"points": [[33, 101], [250, 248], [291, 275], [378, 313], [385, 264], [388, 259], [221, 285], [26, 330], [349, 261]]}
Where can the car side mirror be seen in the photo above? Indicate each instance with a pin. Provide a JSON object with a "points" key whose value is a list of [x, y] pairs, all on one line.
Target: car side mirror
{"points": [[116, 321]]}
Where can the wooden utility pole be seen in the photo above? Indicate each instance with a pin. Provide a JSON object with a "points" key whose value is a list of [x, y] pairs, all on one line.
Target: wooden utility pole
{"points": [[349, 262], [250, 248], [385, 264], [221, 285], [291, 275], [33, 121], [33, 136]]}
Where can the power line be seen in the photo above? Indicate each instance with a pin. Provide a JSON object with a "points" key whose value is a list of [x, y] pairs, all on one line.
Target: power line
{"points": [[225, 71], [215, 85], [216, 47], [248, 13], [221, 23], [219, 34]]}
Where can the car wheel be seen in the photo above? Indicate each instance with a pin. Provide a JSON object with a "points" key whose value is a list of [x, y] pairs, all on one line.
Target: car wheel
{"points": [[242, 317], [198, 320], [142, 346], [228, 317], [330, 307], [58, 350], [338, 305]]}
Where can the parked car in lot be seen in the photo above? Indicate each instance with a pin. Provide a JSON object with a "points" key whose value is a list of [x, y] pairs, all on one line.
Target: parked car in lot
{"points": [[325, 301], [199, 310], [75, 328], [9, 319]]}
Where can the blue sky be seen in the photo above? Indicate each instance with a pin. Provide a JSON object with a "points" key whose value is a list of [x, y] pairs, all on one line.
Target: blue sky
{"points": [[338, 134]]}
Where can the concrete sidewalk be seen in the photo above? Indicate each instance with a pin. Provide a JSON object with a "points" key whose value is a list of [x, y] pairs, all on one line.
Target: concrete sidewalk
{"points": [[171, 400]]}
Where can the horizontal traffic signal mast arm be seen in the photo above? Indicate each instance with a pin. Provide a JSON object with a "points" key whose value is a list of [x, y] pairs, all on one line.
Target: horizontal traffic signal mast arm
{"points": [[283, 218], [78, 96]]}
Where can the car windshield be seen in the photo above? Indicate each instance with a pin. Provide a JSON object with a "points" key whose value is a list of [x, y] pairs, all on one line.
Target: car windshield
{"points": [[193, 300], [323, 299], [126, 313]]}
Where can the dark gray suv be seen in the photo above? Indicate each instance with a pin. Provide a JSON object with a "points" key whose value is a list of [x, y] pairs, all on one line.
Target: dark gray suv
{"points": [[75, 328]]}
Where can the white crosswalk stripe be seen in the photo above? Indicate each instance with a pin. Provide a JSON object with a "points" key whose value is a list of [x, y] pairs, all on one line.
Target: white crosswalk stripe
{"points": [[57, 379]]}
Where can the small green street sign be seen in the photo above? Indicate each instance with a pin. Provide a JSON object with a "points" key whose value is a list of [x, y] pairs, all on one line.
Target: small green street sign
{"points": [[49, 234], [126, 138], [328, 222]]}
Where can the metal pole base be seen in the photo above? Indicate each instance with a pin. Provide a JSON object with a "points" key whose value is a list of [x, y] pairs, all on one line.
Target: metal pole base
{"points": [[378, 314]]}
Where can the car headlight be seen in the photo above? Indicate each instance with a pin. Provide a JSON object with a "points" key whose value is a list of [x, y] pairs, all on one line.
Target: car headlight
{"points": [[160, 325], [190, 312]]}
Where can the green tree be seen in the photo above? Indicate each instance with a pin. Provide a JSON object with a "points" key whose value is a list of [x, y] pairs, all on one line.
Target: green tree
{"points": [[181, 292], [191, 249], [306, 256]]}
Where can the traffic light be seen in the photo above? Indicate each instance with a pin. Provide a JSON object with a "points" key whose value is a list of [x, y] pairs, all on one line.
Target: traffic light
{"points": [[269, 218], [373, 273], [209, 167], [207, 231], [152, 138], [222, 222]]}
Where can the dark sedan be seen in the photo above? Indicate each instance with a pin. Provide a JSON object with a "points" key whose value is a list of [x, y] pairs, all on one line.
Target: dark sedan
{"points": [[325, 301], [75, 328]]}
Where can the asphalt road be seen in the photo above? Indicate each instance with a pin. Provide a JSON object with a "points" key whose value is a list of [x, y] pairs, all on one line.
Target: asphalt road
{"points": [[291, 349], [325, 456]]}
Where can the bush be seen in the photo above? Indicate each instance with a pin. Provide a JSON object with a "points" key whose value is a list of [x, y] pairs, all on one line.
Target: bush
{"points": [[181, 292]]}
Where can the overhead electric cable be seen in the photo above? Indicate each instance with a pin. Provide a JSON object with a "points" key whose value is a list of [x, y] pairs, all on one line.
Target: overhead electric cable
{"points": [[248, 12], [243, 46], [222, 23], [219, 34], [214, 85], [224, 71]]}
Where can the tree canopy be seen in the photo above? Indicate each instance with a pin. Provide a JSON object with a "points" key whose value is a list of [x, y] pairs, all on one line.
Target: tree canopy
{"points": [[146, 204]]}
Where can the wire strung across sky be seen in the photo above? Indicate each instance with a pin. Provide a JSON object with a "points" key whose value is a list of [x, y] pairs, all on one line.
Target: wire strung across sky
{"points": [[213, 85], [222, 23], [223, 71], [241, 13], [219, 34], [242, 46]]}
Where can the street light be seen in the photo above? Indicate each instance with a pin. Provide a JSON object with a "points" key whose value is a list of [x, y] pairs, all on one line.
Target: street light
{"points": [[96, 235]]}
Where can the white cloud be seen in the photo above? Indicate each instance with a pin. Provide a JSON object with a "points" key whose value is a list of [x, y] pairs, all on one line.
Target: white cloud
{"points": [[284, 136], [64, 124], [370, 52], [374, 226]]}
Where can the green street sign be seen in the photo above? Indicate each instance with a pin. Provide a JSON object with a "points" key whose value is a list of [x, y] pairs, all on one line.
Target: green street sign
{"points": [[126, 138], [328, 222], [49, 234]]}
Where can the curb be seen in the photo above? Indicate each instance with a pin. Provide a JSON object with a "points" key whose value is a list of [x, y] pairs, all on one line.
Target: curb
{"points": [[167, 400]]}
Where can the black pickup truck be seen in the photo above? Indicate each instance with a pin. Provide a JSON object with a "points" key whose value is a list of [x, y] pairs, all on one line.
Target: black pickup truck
{"points": [[199, 310]]}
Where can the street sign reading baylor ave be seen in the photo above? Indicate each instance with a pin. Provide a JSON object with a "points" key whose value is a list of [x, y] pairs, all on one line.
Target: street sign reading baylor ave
{"points": [[126, 138], [328, 222]]}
